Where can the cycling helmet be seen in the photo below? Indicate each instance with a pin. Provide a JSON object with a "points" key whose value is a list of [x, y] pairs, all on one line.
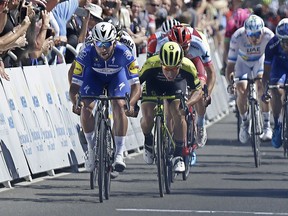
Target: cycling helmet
{"points": [[114, 21], [240, 16], [104, 32], [282, 29], [253, 24], [180, 34], [171, 54], [168, 24]]}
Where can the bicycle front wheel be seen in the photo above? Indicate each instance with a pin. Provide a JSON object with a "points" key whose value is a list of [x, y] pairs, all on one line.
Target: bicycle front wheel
{"points": [[101, 163], [285, 130], [94, 173], [160, 165], [108, 153], [255, 132], [167, 158]]}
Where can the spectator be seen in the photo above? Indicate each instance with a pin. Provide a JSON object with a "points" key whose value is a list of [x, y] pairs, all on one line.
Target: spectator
{"points": [[80, 26], [138, 32], [166, 4], [176, 8], [147, 16]]}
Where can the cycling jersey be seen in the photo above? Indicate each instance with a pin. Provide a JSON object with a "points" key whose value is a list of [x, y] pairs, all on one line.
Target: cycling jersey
{"points": [[278, 59], [199, 51], [157, 84], [155, 41], [248, 58], [92, 73], [241, 47]]}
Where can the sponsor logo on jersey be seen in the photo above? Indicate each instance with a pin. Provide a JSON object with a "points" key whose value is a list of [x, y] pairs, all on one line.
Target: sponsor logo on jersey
{"points": [[78, 70], [128, 43], [82, 54], [128, 54], [133, 68]]}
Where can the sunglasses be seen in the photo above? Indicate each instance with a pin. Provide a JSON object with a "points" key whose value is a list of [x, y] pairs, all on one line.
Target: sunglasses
{"points": [[154, 5], [103, 44], [110, 4], [254, 34], [171, 68]]}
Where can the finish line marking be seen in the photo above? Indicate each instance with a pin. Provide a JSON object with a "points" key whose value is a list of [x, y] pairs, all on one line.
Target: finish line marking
{"points": [[200, 211]]}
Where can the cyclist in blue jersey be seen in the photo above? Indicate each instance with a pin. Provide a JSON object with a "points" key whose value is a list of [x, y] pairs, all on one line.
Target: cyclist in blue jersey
{"points": [[105, 63], [275, 70]]}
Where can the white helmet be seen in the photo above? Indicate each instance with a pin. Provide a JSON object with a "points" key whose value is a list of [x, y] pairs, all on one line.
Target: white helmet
{"points": [[104, 32], [168, 24], [253, 24], [282, 29]]}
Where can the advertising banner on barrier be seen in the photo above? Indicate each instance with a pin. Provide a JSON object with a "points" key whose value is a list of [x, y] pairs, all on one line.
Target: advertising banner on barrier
{"points": [[46, 107], [26, 122], [10, 145], [72, 121]]}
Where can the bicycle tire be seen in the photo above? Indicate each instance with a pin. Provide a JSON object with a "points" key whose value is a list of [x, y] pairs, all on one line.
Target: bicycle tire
{"points": [[101, 162], [94, 173], [255, 139], [167, 156], [285, 130], [108, 161], [159, 155]]}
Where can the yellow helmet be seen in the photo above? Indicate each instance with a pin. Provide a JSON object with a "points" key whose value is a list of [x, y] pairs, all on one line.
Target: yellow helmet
{"points": [[171, 54]]}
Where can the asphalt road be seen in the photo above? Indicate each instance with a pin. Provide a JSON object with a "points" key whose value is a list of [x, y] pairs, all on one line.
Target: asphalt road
{"points": [[224, 181]]}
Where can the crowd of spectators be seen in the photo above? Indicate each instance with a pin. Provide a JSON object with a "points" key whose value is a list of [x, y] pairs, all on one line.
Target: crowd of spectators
{"points": [[31, 28]]}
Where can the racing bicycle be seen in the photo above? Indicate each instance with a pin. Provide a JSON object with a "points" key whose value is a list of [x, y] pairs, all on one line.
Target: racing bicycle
{"points": [[104, 148], [256, 126]]}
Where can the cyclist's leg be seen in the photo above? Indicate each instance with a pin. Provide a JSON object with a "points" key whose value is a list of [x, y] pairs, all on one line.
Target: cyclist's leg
{"points": [[147, 123], [200, 106], [88, 121], [277, 76], [241, 71], [119, 86], [180, 125], [265, 107]]}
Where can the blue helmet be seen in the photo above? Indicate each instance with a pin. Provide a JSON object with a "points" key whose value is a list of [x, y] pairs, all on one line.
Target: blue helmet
{"points": [[282, 29]]}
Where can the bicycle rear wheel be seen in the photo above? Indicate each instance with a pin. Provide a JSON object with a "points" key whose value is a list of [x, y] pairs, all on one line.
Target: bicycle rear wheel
{"points": [[101, 163], [255, 132], [160, 165]]}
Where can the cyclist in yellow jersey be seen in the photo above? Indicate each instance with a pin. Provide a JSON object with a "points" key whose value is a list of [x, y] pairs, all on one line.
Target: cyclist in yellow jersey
{"points": [[168, 73]]}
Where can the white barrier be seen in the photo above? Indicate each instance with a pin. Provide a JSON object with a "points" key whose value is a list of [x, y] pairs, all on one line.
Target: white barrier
{"points": [[11, 151], [38, 131]]}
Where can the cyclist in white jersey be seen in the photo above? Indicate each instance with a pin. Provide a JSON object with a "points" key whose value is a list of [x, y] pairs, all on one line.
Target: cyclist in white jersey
{"points": [[246, 60]]}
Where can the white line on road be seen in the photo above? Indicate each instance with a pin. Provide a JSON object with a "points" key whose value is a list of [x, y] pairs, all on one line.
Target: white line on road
{"points": [[201, 211]]}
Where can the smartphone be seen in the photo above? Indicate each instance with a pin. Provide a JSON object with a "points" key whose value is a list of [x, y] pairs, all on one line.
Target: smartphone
{"points": [[49, 33], [81, 12], [23, 13]]}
